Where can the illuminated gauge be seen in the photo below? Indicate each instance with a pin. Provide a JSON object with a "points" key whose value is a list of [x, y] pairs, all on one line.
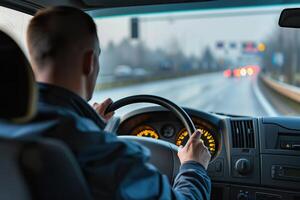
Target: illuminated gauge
{"points": [[145, 131], [168, 131], [207, 137]]}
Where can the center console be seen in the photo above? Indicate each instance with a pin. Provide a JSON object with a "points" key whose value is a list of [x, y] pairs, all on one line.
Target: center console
{"points": [[262, 160]]}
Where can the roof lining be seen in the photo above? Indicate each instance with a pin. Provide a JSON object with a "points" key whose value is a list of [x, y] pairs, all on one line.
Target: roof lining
{"points": [[120, 7], [24, 6], [208, 5]]}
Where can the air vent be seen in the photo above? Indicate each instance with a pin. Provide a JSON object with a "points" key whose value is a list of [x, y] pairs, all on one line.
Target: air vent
{"points": [[242, 134]]}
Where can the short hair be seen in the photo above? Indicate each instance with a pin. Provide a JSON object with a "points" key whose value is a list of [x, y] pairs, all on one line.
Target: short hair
{"points": [[53, 31]]}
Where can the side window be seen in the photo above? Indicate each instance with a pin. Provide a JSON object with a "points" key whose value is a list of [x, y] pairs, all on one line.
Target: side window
{"points": [[14, 23]]}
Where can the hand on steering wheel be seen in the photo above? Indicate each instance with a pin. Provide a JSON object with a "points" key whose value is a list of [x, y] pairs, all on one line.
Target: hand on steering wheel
{"points": [[161, 151]]}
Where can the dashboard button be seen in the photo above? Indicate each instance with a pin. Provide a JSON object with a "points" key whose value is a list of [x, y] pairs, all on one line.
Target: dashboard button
{"points": [[243, 166]]}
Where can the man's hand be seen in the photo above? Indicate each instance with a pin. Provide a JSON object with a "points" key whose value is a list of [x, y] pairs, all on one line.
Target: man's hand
{"points": [[100, 109], [195, 150]]}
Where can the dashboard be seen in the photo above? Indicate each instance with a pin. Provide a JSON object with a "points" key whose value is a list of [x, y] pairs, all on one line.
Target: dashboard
{"points": [[171, 130], [252, 157]]}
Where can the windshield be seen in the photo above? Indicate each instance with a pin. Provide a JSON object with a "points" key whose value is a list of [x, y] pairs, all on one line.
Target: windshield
{"points": [[230, 61], [233, 61], [15, 24]]}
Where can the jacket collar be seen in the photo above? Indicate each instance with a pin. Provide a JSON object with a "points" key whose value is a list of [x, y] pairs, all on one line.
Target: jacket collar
{"points": [[53, 95]]}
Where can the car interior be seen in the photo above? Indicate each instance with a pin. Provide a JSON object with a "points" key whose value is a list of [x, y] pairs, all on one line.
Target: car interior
{"points": [[253, 157], [35, 168]]}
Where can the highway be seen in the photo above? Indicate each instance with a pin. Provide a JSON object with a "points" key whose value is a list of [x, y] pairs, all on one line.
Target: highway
{"points": [[207, 92]]}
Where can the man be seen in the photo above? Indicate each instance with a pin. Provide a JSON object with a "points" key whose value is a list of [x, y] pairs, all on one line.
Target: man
{"points": [[64, 51], [65, 72]]}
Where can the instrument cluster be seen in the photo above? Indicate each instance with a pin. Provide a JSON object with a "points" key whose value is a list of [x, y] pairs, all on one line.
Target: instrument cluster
{"points": [[178, 136]]}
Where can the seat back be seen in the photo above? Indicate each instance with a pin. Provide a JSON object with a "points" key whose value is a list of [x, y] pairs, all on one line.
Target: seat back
{"points": [[12, 182], [18, 94], [31, 168], [39, 169]]}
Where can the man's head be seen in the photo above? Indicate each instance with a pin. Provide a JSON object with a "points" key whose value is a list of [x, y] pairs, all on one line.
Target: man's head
{"points": [[64, 49]]}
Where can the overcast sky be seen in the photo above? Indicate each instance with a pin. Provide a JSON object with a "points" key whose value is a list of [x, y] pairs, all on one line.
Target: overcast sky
{"points": [[194, 30]]}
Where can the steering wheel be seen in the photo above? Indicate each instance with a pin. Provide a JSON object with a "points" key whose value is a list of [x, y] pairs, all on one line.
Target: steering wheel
{"points": [[161, 151]]}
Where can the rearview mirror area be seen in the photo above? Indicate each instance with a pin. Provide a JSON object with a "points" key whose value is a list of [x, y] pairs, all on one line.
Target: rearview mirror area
{"points": [[290, 18]]}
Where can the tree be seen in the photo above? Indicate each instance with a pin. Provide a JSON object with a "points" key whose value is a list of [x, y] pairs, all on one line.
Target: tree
{"points": [[208, 60]]}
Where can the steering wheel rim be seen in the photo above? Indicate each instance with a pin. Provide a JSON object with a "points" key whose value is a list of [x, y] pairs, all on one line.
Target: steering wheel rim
{"points": [[178, 111], [161, 149]]}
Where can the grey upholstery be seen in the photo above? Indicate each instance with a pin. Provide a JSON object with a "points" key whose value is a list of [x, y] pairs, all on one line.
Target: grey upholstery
{"points": [[12, 182], [39, 169]]}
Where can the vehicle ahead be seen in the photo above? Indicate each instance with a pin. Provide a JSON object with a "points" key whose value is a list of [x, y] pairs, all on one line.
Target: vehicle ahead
{"points": [[255, 145]]}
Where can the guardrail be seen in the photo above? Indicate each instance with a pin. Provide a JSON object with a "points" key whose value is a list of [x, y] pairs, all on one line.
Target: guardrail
{"points": [[284, 89]]}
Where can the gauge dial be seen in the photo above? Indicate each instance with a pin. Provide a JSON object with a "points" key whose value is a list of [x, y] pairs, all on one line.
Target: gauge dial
{"points": [[145, 131], [207, 137], [168, 131]]}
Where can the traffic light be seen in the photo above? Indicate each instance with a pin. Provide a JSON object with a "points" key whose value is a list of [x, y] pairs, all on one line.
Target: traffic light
{"points": [[252, 47], [134, 28], [261, 47]]}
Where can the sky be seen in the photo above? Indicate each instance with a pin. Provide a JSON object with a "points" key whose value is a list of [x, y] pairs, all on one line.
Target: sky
{"points": [[193, 30]]}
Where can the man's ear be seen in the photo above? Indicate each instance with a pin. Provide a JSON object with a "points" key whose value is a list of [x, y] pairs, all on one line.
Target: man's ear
{"points": [[88, 62]]}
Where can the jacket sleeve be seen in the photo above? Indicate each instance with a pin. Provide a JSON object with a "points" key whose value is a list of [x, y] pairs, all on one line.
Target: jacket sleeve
{"points": [[120, 170], [144, 181], [116, 169], [192, 182]]}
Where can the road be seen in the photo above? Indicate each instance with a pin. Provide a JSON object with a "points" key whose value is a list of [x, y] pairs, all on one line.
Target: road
{"points": [[208, 92]]}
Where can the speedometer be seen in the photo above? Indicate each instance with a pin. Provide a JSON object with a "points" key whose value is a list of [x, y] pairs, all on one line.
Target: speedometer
{"points": [[207, 137], [145, 131]]}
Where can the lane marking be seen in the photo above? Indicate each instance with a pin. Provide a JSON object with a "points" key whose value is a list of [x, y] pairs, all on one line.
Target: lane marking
{"points": [[263, 101]]}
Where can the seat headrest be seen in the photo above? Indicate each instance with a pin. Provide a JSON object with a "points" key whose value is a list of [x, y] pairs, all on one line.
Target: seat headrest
{"points": [[18, 94]]}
